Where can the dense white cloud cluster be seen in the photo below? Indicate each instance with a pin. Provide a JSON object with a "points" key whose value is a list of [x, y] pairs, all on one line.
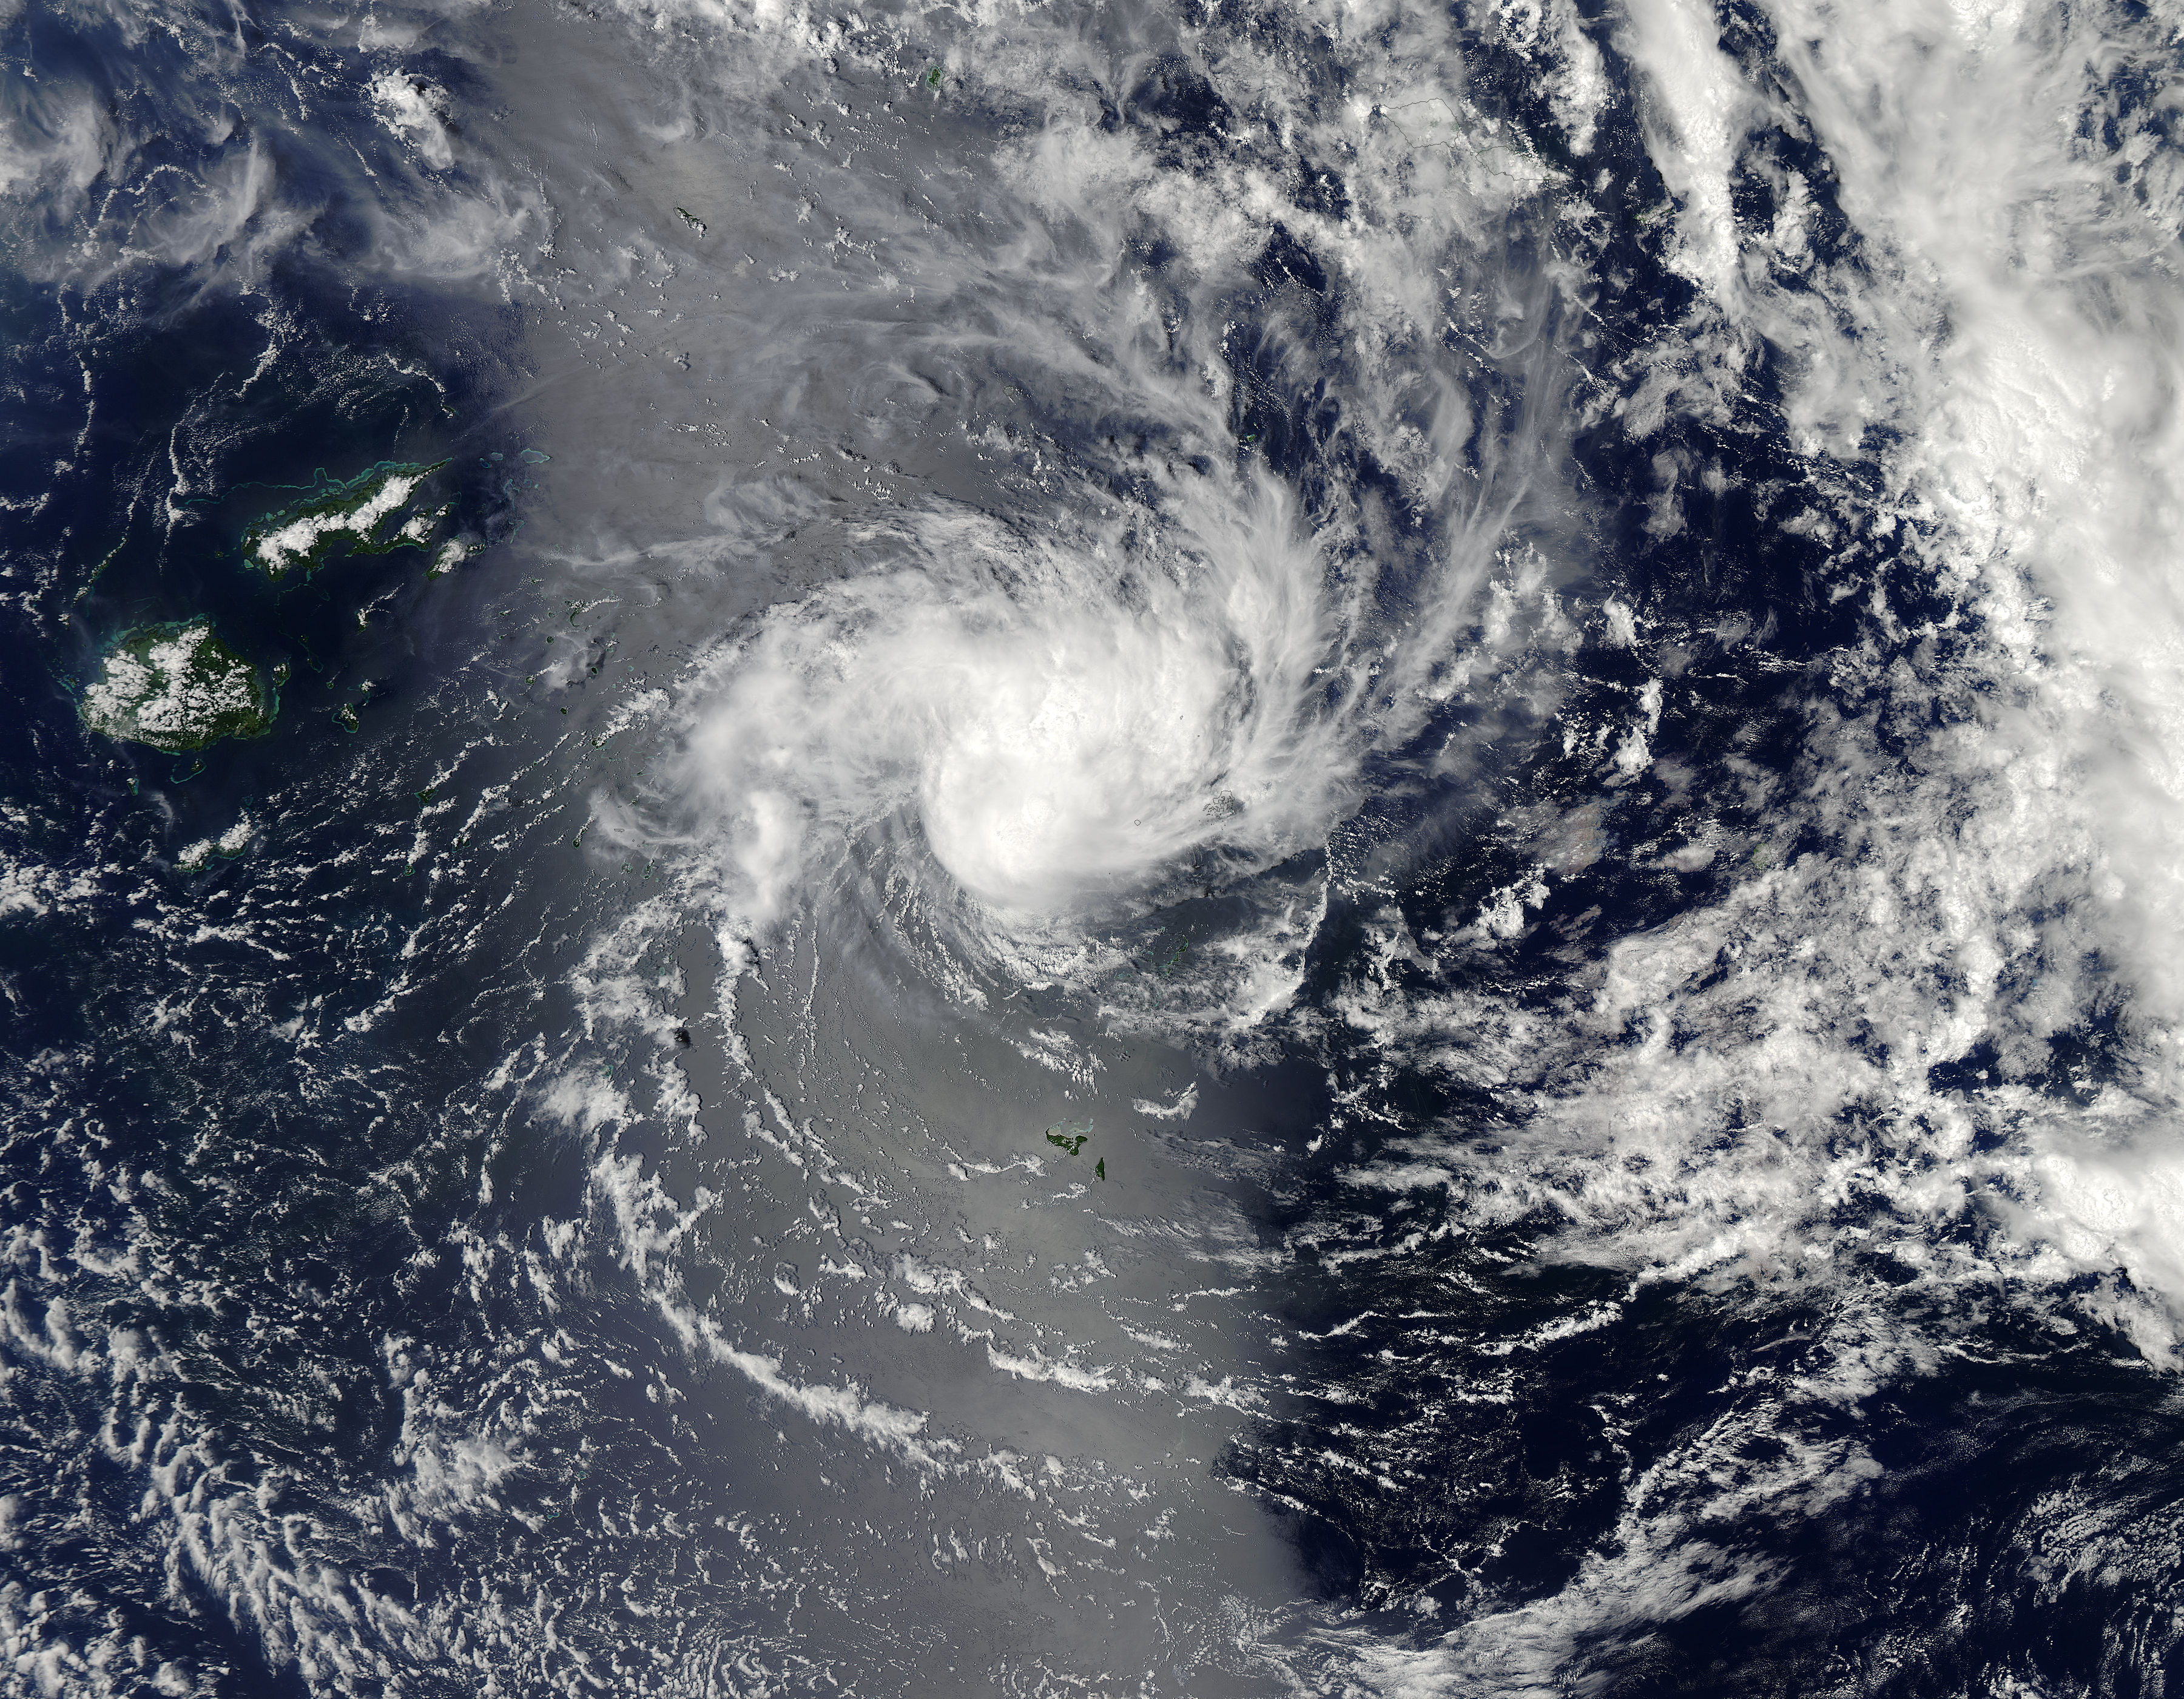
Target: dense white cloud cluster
{"points": [[1063, 723]]}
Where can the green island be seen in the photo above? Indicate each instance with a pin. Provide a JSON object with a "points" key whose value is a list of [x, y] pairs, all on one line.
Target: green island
{"points": [[305, 533], [451, 555], [227, 846], [177, 688], [1068, 1139]]}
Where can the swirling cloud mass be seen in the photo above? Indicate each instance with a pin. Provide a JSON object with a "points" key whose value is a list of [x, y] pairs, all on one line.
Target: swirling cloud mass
{"points": [[1157, 849]]}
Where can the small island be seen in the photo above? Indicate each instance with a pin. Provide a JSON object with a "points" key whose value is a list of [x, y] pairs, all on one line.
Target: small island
{"points": [[177, 688], [303, 534]]}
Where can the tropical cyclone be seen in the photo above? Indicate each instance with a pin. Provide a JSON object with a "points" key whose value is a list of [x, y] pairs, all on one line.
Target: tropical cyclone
{"points": [[1410, 764]]}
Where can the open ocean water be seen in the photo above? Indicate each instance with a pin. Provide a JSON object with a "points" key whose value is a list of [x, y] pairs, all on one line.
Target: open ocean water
{"points": [[1148, 849]]}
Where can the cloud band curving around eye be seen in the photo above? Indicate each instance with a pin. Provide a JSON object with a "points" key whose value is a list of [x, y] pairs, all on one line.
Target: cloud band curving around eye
{"points": [[1051, 727]]}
